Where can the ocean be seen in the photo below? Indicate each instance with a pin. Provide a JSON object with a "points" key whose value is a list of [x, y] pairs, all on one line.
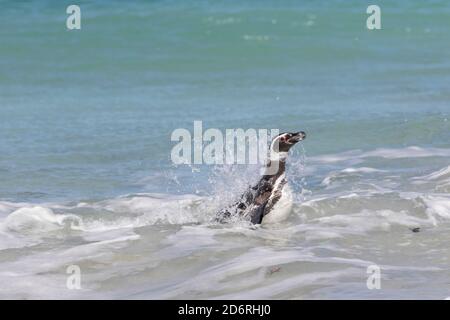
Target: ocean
{"points": [[86, 177]]}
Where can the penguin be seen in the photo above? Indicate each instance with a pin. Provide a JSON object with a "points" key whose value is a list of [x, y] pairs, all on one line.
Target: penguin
{"points": [[268, 200]]}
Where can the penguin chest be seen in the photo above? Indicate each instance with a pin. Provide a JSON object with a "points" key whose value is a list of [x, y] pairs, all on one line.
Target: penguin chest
{"points": [[282, 200]]}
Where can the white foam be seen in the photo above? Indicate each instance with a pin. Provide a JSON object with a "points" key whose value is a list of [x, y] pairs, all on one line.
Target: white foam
{"points": [[150, 209], [408, 152], [361, 170], [437, 206], [337, 157], [36, 220], [368, 220], [26, 224], [348, 172], [436, 175]]}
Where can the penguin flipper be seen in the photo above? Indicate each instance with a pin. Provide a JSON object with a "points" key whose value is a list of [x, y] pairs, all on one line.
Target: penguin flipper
{"points": [[257, 213]]}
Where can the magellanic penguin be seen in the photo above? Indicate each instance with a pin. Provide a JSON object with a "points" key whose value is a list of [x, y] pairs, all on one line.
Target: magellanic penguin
{"points": [[268, 200]]}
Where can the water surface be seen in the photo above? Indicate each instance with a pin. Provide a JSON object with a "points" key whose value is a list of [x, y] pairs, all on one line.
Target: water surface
{"points": [[85, 171]]}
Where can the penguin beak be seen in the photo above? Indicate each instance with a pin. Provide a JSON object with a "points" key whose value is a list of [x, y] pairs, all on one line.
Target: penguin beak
{"points": [[296, 137]]}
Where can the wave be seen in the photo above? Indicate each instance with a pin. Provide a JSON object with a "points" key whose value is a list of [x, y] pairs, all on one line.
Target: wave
{"points": [[324, 216], [364, 199], [164, 246], [443, 173], [131, 211], [348, 173], [437, 207], [350, 212], [38, 220], [29, 224], [437, 180], [386, 153]]}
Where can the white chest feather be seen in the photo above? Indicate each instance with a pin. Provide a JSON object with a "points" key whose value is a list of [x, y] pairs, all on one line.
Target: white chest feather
{"points": [[282, 207]]}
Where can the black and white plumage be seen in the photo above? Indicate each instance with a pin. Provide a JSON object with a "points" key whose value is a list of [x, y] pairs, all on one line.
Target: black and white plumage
{"points": [[258, 202]]}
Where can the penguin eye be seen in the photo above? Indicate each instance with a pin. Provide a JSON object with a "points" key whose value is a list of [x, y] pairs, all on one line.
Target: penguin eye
{"points": [[282, 139]]}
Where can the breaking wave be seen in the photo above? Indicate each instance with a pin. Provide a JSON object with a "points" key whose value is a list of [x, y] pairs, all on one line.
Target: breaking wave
{"points": [[350, 209]]}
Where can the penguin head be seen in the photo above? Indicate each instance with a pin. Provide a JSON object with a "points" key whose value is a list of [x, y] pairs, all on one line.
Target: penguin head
{"points": [[285, 141]]}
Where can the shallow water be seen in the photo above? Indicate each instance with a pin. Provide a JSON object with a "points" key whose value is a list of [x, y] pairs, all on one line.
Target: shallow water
{"points": [[85, 171], [161, 246]]}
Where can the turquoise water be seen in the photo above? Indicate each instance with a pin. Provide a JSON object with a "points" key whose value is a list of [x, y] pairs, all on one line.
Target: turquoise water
{"points": [[86, 119]]}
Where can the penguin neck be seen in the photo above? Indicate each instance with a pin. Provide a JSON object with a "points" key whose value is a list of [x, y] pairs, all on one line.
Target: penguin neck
{"points": [[276, 165], [278, 156]]}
